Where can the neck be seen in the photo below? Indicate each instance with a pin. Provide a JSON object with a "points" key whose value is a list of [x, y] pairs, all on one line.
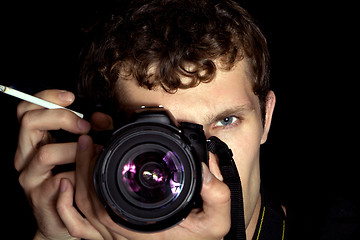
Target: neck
{"points": [[250, 229]]}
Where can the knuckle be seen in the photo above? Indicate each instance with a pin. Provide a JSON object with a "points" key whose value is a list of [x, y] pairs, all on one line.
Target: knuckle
{"points": [[22, 180], [43, 156], [224, 195], [17, 165], [221, 191], [26, 119], [26, 183], [61, 115], [65, 119], [225, 192], [75, 231], [18, 160]]}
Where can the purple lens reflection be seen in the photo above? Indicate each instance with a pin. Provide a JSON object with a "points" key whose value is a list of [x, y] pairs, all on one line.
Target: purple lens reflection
{"points": [[175, 184], [129, 168], [153, 177]]}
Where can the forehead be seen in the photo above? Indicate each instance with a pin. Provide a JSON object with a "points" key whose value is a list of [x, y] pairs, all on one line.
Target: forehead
{"points": [[228, 90]]}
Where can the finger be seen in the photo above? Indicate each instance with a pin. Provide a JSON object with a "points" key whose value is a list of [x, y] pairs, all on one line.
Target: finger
{"points": [[215, 194], [45, 160], [85, 152], [44, 195], [77, 225], [101, 122], [43, 200], [35, 125], [54, 119], [85, 197], [216, 207], [49, 189], [60, 97]]}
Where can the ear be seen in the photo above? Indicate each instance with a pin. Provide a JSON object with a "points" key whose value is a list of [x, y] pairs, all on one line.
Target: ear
{"points": [[270, 105]]}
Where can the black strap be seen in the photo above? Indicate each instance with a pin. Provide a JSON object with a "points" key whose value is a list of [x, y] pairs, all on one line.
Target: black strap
{"points": [[232, 179]]}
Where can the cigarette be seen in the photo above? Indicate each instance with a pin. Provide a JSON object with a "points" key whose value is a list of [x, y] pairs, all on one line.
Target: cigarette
{"points": [[34, 100]]}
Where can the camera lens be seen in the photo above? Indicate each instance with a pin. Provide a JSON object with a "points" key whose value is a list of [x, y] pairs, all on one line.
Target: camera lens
{"points": [[151, 177], [149, 174]]}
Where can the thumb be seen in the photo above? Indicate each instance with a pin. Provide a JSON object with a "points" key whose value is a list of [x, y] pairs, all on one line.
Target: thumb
{"points": [[215, 218], [215, 194]]}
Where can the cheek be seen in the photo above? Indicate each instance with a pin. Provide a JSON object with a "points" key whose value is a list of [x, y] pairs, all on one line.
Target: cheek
{"points": [[246, 155], [245, 147], [244, 142]]}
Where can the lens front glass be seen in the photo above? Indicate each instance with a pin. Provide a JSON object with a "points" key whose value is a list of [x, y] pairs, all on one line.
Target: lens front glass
{"points": [[151, 176]]}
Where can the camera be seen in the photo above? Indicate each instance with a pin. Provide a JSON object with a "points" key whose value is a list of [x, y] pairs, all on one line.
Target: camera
{"points": [[149, 174]]}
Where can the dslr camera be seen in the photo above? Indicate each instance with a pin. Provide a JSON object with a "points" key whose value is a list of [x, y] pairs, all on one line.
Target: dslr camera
{"points": [[149, 175]]}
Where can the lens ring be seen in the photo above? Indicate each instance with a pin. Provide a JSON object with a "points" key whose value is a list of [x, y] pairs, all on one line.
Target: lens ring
{"points": [[147, 219]]}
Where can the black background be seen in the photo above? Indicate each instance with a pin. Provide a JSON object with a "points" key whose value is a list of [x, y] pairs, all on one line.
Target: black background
{"points": [[310, 156]]}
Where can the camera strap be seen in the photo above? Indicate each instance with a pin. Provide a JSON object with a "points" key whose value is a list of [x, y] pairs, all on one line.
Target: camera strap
{"points": [[232, 180]]}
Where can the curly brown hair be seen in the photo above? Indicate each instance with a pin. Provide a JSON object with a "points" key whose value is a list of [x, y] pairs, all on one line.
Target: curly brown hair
{"points": [[158, 42]]}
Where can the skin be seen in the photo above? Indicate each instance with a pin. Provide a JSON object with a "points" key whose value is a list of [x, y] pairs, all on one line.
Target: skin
{"points": [[228, 95], [36, 155], [226, 107]]}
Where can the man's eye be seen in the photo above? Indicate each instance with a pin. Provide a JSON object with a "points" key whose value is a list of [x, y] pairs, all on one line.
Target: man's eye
{"points": [[226, 121]]}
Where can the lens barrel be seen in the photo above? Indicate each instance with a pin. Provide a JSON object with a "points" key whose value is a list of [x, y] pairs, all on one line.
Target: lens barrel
{"points": [[149, 175]]}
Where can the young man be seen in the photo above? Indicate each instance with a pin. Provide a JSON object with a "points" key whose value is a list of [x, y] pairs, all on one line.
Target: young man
{"points": [[206, 62]]}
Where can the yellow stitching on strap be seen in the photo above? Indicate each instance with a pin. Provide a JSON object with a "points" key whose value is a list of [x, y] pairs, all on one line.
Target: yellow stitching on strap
{"points": [[283, 235], [262, 219]]}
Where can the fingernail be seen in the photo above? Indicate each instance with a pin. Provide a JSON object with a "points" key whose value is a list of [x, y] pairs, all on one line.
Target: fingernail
{"points": [[83, 143], [207, 176], [66, 96], [83, 125], [63, 185]]}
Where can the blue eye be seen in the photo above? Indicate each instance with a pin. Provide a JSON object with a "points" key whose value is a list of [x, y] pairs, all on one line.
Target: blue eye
{"points": [[226, 121]]}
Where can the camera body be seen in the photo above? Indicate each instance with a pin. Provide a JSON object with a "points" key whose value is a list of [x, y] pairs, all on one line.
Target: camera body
{"points": [[149, 175]]}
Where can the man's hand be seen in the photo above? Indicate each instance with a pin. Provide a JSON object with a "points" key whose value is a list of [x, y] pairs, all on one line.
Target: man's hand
{"points": [[210, 222], [37, 154]]}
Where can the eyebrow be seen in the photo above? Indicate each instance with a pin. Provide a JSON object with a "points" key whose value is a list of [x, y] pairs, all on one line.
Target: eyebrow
{"points": [[232, 111]]}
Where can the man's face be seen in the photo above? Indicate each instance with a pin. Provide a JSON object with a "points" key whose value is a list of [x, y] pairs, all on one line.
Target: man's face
{"points": [[227, 108]]}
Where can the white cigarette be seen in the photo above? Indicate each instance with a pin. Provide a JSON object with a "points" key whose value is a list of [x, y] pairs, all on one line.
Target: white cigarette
{"points": [[34, 100]]}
